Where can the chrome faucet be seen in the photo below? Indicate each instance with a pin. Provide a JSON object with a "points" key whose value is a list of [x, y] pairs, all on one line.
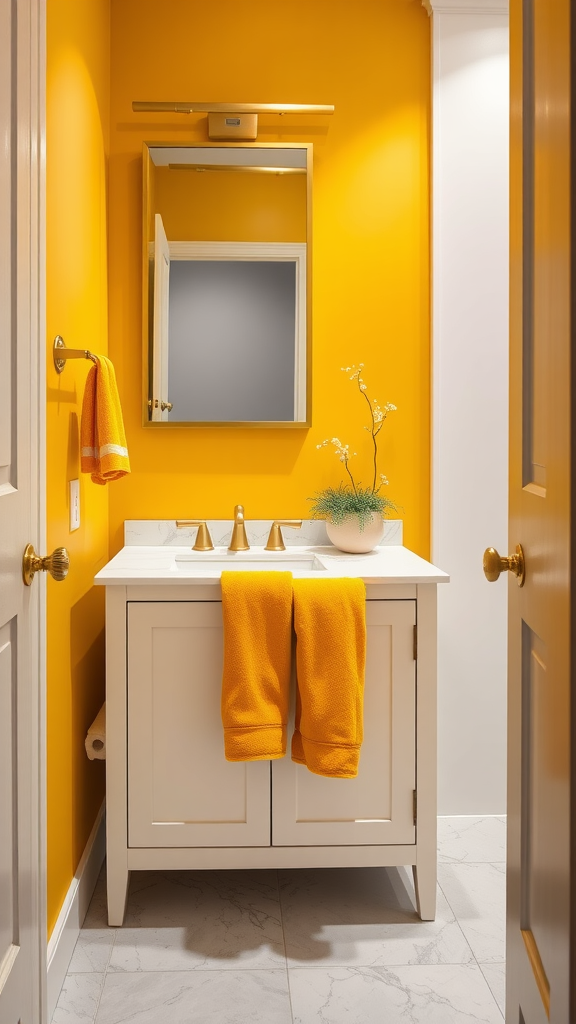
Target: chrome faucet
{"points": [[239, 540]]}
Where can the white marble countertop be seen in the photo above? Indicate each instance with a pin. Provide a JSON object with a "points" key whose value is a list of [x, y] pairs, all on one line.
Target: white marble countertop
{"points": [[148, 564]]}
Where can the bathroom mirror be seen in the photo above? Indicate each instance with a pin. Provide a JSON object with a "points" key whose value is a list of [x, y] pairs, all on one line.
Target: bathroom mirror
{"points": [[226, 284]]}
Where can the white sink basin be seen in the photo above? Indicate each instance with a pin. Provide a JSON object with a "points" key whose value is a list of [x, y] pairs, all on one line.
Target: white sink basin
{"points": [[215, 562]]}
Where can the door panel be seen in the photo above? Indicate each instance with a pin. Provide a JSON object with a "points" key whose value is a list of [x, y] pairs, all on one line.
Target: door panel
{"points": [[377, 806], [181, 790], [538, 942], [22, 940]]}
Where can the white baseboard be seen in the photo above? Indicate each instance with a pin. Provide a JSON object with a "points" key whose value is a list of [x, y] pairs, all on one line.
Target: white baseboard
{"points": [[74, 908]]}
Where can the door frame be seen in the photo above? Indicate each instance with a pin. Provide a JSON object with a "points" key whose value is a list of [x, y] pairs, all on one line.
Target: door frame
{"points": [[31, 129]]}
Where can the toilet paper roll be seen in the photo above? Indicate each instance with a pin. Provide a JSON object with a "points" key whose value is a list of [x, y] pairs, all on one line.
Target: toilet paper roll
{"points": [[95, 741]]}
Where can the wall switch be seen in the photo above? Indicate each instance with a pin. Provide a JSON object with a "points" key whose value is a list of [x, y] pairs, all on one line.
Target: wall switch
{"points": [[74, 505]]}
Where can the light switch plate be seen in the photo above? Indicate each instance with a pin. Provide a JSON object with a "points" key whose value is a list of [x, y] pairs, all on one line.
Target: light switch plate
{"points": [[74, 505]]}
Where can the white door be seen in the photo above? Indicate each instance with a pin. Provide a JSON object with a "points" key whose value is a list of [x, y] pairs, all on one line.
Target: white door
{"points": [[377, 806], [160, 321], [541, 922], [181, 790], [22, 934]]}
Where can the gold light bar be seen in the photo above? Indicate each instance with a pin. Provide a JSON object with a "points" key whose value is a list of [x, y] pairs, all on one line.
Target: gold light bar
{"points": [[141, 106]]}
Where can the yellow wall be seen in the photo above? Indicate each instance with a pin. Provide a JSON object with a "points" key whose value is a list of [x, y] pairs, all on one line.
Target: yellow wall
{"points": [[371, 239], [78, 41]]}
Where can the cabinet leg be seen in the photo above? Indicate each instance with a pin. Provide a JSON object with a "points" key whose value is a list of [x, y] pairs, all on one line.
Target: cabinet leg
{"points": [[425, 887], [117, 878]]}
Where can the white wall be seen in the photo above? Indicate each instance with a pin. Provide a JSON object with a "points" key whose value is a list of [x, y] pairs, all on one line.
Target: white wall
{"points": [[470, 394]]}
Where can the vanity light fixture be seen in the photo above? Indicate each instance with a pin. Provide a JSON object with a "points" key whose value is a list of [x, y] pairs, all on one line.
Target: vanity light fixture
{"points": [[231, 120]]}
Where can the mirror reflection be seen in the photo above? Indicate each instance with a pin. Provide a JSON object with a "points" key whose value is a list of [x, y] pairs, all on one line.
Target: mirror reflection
{"points": [[225, 275]]}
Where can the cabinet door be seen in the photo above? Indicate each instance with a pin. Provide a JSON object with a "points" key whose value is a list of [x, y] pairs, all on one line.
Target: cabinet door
{"points": [[377, 806], [181, 790]]}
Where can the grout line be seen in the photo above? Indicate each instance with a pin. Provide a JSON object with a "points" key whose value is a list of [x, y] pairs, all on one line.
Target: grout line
{"points": [[285, 952], [477, 817], [275, 969], [489, 985], [472, 863], [99, 998]]}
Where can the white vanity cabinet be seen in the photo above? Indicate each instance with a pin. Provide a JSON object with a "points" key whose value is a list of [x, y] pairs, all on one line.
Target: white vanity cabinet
{"points": [[183, 793], [174, 802]]}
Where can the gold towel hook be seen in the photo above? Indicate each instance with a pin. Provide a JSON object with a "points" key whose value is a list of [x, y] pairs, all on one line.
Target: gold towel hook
{"points": [[61, 354]]}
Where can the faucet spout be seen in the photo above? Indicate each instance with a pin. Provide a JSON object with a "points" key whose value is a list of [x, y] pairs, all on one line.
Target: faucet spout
{"points": [[239, 540]]}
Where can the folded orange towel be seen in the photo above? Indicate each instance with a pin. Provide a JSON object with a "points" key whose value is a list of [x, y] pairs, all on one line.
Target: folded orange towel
{"points": [[102, 439], [257, 612], [330, 625]]}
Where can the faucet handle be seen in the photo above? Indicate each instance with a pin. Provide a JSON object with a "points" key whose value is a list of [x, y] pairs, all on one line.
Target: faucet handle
{"points": [[275, 539], [203, 540]]}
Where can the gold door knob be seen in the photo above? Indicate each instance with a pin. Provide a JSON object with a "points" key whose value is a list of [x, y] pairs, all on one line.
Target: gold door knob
{"points": [[493, 564], [166, 405], [57, 564]]}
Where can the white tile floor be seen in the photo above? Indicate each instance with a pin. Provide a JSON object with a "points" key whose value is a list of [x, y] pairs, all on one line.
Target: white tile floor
{"points": [[338, 946]]}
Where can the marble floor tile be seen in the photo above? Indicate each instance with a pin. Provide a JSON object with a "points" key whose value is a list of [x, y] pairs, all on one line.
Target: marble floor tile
{"points": [[183, 921], [196, 997], [495, 975], [472, 839], [79, 999], [442, 994], [364, 916], [94, 945], [477, 895]]}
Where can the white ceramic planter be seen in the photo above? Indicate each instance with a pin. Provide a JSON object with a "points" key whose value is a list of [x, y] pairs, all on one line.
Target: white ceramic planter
{"points": [[348, 536]]}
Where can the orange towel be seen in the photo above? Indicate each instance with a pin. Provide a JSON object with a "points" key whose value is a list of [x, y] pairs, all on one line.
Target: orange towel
{"points": [[102, 439], [257, 612], [330, 625]]}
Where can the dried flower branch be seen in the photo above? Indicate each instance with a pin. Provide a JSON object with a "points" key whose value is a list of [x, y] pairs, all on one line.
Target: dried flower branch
{"points": [[336, 504]]}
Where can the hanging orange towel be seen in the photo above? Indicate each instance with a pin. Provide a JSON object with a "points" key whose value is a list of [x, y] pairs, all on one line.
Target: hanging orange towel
{"points": [[330, 625], [257, 612], [102, 439]]}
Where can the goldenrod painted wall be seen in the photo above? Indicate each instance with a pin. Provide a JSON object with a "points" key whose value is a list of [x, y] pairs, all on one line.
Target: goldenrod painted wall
{"points": [[370, 246], [78, 103]]}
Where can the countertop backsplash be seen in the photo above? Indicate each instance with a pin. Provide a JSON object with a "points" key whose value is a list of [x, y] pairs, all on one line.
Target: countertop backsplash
{"points": [[163, 532]]}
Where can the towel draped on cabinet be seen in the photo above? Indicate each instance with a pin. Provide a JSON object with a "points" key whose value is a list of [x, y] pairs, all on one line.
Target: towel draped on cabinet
{"points": [[330, 627], [257, 612]]}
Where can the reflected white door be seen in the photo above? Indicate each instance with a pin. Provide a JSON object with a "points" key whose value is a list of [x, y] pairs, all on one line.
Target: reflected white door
{"points": [[161, 319], [22, 939]]}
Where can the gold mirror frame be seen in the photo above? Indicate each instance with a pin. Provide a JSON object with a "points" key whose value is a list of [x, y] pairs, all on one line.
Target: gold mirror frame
{"points": [[146, 298]]}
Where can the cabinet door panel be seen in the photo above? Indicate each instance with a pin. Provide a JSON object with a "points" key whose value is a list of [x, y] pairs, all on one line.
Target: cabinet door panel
{"points": [[181, 790], [377, 806]]}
